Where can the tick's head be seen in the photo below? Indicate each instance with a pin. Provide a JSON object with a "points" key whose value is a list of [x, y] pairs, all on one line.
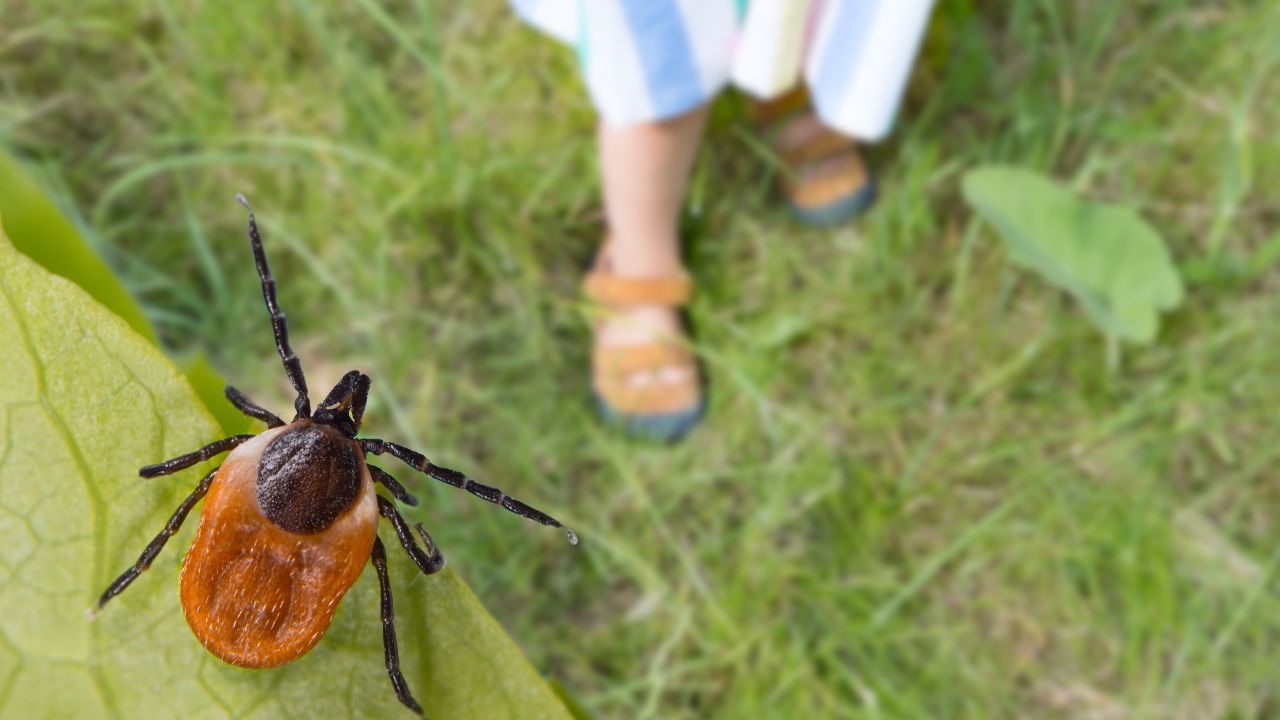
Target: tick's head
{"points": [[343, 409]]}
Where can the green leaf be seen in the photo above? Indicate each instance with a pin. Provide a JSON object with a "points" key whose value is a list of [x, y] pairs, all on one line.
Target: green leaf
{"points": [[84, 402], [40, 231], [209, 387], [1106, 256]]}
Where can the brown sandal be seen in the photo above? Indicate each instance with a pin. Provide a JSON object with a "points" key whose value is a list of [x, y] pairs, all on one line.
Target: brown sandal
{"points": [[826, 181], [661, 409]]}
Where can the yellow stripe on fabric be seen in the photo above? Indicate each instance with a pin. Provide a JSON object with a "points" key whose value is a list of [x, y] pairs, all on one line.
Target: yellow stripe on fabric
{"points": [[771, 48]]}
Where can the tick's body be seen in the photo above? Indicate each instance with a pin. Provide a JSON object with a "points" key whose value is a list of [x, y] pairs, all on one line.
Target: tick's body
{"points": [[257, 594], [291, 517]]}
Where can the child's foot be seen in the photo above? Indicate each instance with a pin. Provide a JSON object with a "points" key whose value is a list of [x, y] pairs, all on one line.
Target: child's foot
{"points": [[644, 376], [826, 182]]}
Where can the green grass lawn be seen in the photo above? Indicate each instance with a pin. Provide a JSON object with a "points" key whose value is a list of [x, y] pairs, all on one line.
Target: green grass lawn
{"points": [[922, 491]]}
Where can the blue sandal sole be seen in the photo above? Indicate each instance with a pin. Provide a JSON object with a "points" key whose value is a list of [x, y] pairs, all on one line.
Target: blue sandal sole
{"points": [[839, 211], [662, 427]]}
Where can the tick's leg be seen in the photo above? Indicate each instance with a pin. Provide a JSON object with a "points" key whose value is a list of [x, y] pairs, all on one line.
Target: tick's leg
{"points": [[429, 562], [155, 546], [182, 462], [392, 485], [279, 324], [379, 558], [419, 462], [253, 410]]}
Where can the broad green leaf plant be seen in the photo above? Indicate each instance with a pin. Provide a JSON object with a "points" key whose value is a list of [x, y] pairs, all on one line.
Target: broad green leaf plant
{"points": [[85, 400], [1106, 256]]}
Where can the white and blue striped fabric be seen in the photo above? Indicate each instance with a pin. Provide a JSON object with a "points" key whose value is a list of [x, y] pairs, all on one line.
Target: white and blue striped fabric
{"points": [[647, 60]]}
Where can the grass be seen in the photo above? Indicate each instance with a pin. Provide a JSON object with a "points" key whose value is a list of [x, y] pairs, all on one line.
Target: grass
{"points": [[921, 491]]}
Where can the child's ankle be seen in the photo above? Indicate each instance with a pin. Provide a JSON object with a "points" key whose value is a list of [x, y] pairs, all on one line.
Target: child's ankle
{"points": [[645, 258]]}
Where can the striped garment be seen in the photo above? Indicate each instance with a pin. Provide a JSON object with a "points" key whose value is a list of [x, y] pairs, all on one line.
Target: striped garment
{"points": [[646, 60]]}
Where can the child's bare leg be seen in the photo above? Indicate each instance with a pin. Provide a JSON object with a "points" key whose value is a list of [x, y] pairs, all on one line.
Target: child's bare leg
{"points": [[645, 173]]}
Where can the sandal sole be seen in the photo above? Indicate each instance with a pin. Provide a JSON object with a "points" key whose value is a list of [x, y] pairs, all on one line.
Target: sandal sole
{"points": [[662, 427], [839, 211]]}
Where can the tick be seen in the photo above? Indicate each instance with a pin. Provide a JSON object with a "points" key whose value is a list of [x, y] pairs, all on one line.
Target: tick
{"points": [[291, 517]]}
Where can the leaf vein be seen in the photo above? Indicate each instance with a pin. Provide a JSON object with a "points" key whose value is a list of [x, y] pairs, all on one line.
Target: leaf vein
{"points": [[86, 474]]}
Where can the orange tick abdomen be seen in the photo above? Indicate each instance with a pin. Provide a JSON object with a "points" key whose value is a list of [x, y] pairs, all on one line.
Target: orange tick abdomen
{"points": [[254, 594]]}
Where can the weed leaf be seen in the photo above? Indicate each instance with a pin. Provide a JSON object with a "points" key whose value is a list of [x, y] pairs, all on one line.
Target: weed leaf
{"points": [[1106, 256]]}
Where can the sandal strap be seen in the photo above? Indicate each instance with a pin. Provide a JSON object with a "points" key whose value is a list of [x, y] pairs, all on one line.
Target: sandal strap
{"points": [[785, 106], [644, 357], [776, 115], [666, 397], [609, 289], [828, 182], [614, 366], [818, 146]]}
